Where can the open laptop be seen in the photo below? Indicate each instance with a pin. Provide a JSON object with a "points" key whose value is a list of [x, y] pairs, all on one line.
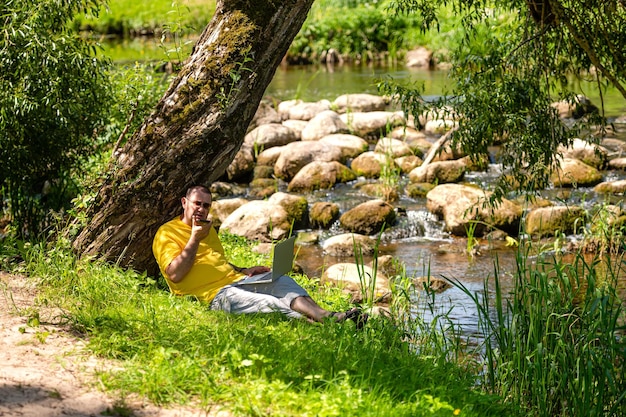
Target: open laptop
{"points": [[282, 263]]}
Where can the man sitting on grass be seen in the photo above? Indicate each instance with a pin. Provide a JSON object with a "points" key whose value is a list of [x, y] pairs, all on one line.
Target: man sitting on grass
{"points": [[191, 258]]}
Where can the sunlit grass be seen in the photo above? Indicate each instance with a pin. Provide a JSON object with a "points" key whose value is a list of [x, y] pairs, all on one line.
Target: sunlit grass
{"points": [[175, 350]]}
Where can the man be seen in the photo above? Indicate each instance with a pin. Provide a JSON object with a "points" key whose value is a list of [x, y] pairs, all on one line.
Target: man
{"points": [[191, 258]]}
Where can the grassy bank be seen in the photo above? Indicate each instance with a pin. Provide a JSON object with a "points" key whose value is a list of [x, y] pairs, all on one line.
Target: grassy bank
{"points": [[175, 350], [354, 30]]}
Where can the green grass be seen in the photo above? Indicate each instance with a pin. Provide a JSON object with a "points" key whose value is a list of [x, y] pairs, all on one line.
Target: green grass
{"points": [[136, 17], [176, 351]]}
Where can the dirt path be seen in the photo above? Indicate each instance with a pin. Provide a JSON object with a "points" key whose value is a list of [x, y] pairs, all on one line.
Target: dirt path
{"points": [[45, 371]]}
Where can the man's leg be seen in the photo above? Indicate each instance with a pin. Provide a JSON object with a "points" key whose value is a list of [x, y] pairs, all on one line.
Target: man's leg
{"points": [[308, 307]]}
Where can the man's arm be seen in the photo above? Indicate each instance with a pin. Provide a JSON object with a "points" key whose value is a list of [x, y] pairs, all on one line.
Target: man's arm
{"points": [[181, 265]]}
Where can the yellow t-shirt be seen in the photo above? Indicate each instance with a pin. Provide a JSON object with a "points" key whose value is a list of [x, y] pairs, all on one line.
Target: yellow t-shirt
{"points": [[210, 271]]}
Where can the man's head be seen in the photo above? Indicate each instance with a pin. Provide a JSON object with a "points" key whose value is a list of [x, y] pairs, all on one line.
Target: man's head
{"points": [[196, 204]]}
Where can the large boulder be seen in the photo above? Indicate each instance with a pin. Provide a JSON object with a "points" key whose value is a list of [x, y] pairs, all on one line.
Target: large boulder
{"points": [[296, 155], [394, 147], [344, 244], [618, 163], [375, 123], [269, 135], [297, 126], [259, 220], [368, 218], [556, 219], [420, 57], [351, 145], [440, 172], [369, 164], [358, 281], [462, 207], [325, 123], [269, 156], [221, 209], [408, 163], [301, 110], [572, 172], [359, 103], [323, 214], [297, 207], [589, 153], [611, 187], [320, 175]]}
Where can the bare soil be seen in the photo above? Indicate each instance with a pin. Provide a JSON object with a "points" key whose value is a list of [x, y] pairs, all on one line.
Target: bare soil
{"points": [[46, 371]]}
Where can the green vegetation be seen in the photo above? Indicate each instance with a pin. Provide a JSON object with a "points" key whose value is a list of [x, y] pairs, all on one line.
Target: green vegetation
{"points": [[556, 344], [175, 350], [54, 97]]}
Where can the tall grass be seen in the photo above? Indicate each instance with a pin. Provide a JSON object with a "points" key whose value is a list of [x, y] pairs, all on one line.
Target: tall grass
{"points": [[556, 345]]}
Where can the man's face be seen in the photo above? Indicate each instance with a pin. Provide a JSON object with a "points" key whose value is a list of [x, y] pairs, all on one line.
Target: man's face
{"points": [[196, 206]]}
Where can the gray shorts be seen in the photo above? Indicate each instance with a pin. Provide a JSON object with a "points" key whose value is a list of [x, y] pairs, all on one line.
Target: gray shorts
{"points": [[275, 296]]}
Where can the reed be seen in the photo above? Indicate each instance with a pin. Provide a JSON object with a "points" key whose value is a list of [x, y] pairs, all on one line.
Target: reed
{"points": [[555, 346]]}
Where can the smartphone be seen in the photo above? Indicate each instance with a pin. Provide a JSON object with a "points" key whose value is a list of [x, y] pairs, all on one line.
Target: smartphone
{"points": [[204, 221]]}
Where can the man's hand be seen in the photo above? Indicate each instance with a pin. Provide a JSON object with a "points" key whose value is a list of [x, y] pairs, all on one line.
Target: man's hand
{"points": [[255, 270]]}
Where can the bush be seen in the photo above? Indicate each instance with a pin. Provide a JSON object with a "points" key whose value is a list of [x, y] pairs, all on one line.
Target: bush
{"points": [[54, 91]]}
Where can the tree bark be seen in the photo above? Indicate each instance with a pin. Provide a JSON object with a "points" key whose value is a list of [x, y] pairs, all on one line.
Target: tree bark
{"points": [[195, 131]]}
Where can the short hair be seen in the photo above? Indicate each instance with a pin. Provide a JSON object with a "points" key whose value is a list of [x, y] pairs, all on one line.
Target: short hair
{"points": [[200, 188]]}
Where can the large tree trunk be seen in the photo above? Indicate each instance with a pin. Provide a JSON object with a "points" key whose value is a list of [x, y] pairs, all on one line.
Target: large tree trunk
{"points": [[195, 131]]}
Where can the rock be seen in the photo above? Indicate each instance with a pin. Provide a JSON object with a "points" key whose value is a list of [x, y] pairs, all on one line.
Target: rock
{"points": [[420, 58], [359, 103], [614, 145], [358, 280], [242, 165], [351, 146], [269, 156], [285, 106], [439, 172], [573, 172], [408, 163], [393, 147], [436, 285], [296, 125], [589, 153], [462, 206], [259, 220], [556, 219], [323, 214], [344, 244], [618, 163], [320, 175], [224, 189], [439, 126], [269, 135], [221, 209], [375, 123], [369, 164], [611, 187], [325, 123], [296, 155], [262, 171], [577, 109], [302, 110], [297, 207], [368, 218], [418, 189], [265, 114]]}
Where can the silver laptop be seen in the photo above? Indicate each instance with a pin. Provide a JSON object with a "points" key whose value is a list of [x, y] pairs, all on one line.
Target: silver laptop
{"points": [[282, 263]]}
